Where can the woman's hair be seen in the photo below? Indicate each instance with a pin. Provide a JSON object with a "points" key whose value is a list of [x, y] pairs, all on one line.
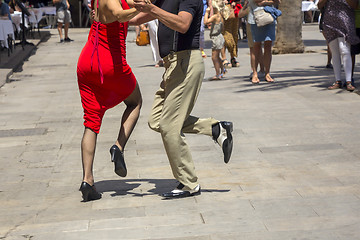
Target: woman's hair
{"points": [[220, 6]]}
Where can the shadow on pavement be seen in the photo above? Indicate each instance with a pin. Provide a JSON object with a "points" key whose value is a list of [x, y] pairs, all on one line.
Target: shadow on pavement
{"points": [[126, 187], [316, 76]]}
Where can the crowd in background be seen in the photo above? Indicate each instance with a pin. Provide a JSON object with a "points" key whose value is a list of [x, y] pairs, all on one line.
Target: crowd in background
{"points": [[230, 17]]}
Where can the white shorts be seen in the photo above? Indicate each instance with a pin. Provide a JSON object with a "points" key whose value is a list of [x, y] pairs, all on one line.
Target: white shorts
{"points": [[63, 16]]}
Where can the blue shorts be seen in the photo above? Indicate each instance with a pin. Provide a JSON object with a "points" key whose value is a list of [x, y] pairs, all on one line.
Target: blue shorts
{"points": [[265, 33]]}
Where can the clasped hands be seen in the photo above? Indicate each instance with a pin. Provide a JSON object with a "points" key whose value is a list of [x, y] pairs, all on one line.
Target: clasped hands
{"points": [[142, 5]]}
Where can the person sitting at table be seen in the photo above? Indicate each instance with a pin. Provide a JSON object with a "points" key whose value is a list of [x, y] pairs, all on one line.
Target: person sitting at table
{"points": [[36, 3], [13, 7], [4, 10], [63, 15]]}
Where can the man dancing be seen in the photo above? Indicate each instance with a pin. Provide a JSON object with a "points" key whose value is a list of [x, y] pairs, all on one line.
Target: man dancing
{"points": [[178, 35]]}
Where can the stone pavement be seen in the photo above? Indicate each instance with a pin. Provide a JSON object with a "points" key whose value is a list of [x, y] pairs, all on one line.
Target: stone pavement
{"points": [[10, 63], [294, 173]]}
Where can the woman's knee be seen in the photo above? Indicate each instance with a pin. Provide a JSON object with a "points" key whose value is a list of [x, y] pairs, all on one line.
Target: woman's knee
{"points": [[135, 98]]}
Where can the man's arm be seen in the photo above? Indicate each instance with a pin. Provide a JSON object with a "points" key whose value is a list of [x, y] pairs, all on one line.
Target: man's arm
{"points": [[180, 22], [140, 19]]}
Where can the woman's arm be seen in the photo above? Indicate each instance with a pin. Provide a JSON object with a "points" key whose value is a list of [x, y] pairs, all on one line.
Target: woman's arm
{"points": [[208, 19], [120, 14], [243, 12]]}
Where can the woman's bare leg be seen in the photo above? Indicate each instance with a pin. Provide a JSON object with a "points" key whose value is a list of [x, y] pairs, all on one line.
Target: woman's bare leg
{"points": [[216, 61], [130, 117], [88, 145], [255, 54], [267, 60]]}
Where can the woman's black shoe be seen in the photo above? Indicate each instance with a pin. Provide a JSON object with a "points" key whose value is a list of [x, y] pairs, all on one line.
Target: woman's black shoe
{"points": [[89, 193], [118, 158]]}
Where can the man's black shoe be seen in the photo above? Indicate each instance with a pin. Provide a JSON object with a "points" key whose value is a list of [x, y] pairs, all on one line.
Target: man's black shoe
{"points": [[179, 193], [222, 135], [68, 40]]}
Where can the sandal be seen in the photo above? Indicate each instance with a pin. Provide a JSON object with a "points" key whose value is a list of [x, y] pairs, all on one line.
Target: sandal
{"points": [[255, 80], [215, 78], [234, 63], [223, 72], [271, 80], [349, 87], [336, 85], [226, 64]]}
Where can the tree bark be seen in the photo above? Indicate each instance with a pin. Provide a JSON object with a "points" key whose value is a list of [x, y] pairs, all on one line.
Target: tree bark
{"points": [[289, 28]]}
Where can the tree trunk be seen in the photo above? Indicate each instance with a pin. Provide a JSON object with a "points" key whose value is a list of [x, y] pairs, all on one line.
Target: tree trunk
{"points": [[289, 28]]}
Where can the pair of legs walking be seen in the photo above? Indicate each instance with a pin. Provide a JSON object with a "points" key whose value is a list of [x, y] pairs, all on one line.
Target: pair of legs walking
{"points": [[341, 50], [219, 67], [64, 19], [231, 29], [257, 56]]}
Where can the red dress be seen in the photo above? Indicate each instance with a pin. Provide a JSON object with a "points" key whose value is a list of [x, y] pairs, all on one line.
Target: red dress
{"points": [[104, 77]]}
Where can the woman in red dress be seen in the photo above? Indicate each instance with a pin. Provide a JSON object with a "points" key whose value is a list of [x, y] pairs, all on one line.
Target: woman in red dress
{"points": [[105, 80]]}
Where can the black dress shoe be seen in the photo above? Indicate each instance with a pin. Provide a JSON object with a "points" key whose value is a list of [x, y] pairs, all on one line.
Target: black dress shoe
{"points": [[89, 193], [222, 135], [118, 158], [179, 193], [68, 40]]}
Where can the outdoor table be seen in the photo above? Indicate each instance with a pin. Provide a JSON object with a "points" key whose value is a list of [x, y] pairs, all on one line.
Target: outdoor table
{"points": [[308, 6], [6, 30], [17, 20]]}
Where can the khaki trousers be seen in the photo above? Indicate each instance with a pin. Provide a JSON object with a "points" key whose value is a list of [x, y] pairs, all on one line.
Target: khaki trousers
{"points": [[170, 115]]}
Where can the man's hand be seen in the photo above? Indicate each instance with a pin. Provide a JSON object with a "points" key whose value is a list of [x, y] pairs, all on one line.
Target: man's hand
{"points": [[143, 5]]}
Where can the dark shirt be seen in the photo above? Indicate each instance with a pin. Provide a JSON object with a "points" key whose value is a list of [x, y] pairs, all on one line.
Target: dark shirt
{"points": [[61, 5], [4, 9], [169, 40]]}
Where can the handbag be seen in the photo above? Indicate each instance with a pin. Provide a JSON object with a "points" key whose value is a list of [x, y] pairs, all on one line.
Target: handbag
{"points": [[262, 18], [143, 38]]}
